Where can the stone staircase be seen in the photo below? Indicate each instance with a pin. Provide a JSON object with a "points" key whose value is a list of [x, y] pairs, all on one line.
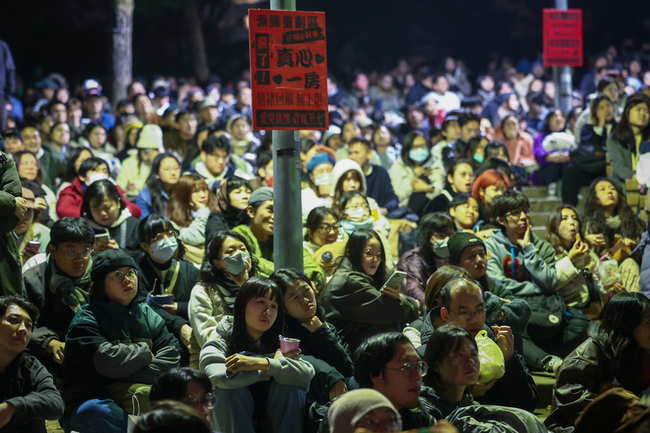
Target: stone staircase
{"points": [[541, 206]]}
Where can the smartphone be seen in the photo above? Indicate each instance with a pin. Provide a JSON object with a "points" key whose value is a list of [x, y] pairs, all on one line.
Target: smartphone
{"points": [[397, 277], [102, 237], [31, 245]]}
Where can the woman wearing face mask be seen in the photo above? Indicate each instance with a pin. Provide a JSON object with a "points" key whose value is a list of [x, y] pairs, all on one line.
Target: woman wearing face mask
{"points": [[189, 207], [232, 199], [476, 150], [319, 341], [165, 172], [415, 178], [104, 209], [575, 261], [163, 272], [243, 356], [227, 265], [354, 301], [318, 191], [430, 254], [464, 209], [355, 213], [72, 197], [459, 181]]}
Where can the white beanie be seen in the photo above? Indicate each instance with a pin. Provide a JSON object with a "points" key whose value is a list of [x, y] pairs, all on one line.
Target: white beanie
{"points": [[346, 411], [151, 137]]}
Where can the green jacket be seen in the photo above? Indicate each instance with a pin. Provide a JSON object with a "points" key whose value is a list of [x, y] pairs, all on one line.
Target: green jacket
{"points": [[11, 282]]}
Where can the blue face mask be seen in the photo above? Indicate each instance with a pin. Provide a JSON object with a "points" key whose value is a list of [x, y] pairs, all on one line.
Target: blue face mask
{"points": [[419, 155], [236, 264], [164, 249], [350, 226]]}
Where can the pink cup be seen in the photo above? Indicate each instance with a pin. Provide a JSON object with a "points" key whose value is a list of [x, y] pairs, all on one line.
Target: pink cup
{"points": [[288, 344]]}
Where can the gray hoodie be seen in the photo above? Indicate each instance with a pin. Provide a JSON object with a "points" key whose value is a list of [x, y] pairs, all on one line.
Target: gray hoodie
{"points": [[534, 265]]}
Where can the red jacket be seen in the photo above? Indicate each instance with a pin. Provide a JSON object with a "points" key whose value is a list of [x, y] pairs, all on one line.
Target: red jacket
{"points": [[71, 198]]}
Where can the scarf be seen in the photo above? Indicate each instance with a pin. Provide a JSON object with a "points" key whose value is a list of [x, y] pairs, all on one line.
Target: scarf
{"points": [[73, 292]]}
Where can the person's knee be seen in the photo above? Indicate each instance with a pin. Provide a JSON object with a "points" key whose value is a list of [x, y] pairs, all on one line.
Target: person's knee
{"points": [[98, 416]]}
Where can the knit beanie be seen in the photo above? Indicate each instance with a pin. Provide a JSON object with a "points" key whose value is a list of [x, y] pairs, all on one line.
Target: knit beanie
{"points": [[108, 261], [346, 411], [458, 242], [151, 137]]}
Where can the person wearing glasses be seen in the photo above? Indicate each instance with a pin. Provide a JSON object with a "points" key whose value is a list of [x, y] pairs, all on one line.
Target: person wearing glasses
{"points": [[454, 368], [163, 272], [187, 385], [116, 347], [463, 303], [354, 300], [525, 265], [58, 284], [323, 241]]}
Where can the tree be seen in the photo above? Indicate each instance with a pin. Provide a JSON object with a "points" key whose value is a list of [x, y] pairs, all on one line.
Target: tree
{"points": [[122, 49], [197, 42]]}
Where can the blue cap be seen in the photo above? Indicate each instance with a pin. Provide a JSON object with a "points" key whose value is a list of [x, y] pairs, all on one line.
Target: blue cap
{"points": [[321, 158]]}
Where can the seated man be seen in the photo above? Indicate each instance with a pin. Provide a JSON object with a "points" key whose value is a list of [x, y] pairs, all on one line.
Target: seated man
{"points": [[378, 184], [525, 265], [58, 284], [388, 363], [259, 235], [462, 303], [28, 393], [187, 385], [216, 165]]}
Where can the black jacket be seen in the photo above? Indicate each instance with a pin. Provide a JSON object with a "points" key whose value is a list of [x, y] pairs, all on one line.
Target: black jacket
{"points": [[29, 387], [7, 71]]}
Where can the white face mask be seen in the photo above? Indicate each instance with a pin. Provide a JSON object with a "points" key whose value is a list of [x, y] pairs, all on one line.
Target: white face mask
{"points": [[359, 214], [94, 177], [440, 248], [323, 179], [164, 249]]}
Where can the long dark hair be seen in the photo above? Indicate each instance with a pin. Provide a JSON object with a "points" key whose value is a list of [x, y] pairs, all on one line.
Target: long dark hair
{"points": [[441, 343], [623, 131], [285, 278], [613, 332], [179, 205], [240, 340], [210, 275], [95, 195], [155, 184], [408, 145], [430, 224], [73, 154], [554, 221], [354, 250], [631, 226]]}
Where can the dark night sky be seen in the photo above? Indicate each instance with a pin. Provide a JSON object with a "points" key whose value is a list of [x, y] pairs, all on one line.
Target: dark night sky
{"points": [[73, 36]]}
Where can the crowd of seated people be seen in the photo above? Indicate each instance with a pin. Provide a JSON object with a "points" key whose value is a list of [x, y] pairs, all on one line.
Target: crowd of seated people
{"points": [[140, 290]]}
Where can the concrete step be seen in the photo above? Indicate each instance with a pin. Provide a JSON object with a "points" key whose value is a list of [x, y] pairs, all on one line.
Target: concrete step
{"points": [[545, 383], [544, 204], [534, 191], [539, 231], [539, 218]]}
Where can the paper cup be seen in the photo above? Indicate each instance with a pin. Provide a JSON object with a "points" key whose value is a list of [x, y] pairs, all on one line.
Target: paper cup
{"points": [[289, 344]]}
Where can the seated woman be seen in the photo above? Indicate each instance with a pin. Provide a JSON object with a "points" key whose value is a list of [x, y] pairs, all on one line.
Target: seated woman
{"points": [[137, 167], [608, 219], [383, 140], [616, 352], [430, 254], [71, 198], [551, 148], [33, 237], [254, 381], [232, 199], [491, 183], [575, 261], [165, 172], [355, 212], [320, 344], [518, 142], [464, 210], [454, 367], [188, 208], [624, 144], [227, 265], [94, 138], [244, 142], [414, 180], [115, 349], [29, 167], [354, 301], [322, 228], [459, 181], [75, 157], [106, 213], [589, 161], [163, 272], [319, 190], [476, 150]]}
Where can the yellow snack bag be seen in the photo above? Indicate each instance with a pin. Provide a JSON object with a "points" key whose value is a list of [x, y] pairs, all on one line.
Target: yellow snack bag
{"points": [[493, 365]]}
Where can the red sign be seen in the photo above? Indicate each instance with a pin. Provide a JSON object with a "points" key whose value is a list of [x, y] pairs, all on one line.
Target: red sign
{"points": [[562, 37], [288, 69]]}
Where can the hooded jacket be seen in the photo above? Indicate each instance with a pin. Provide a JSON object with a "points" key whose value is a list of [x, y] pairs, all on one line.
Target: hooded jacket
{"points": [[534, 265], [124, 230], [358, 309], [72, 197]]}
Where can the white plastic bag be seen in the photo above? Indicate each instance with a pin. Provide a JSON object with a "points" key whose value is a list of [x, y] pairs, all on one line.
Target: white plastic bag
{"points": [[493, 365]]}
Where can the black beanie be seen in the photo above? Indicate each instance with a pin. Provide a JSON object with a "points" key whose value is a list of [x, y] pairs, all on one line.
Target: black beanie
{"points": [[107, 261], [458, 242]]}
